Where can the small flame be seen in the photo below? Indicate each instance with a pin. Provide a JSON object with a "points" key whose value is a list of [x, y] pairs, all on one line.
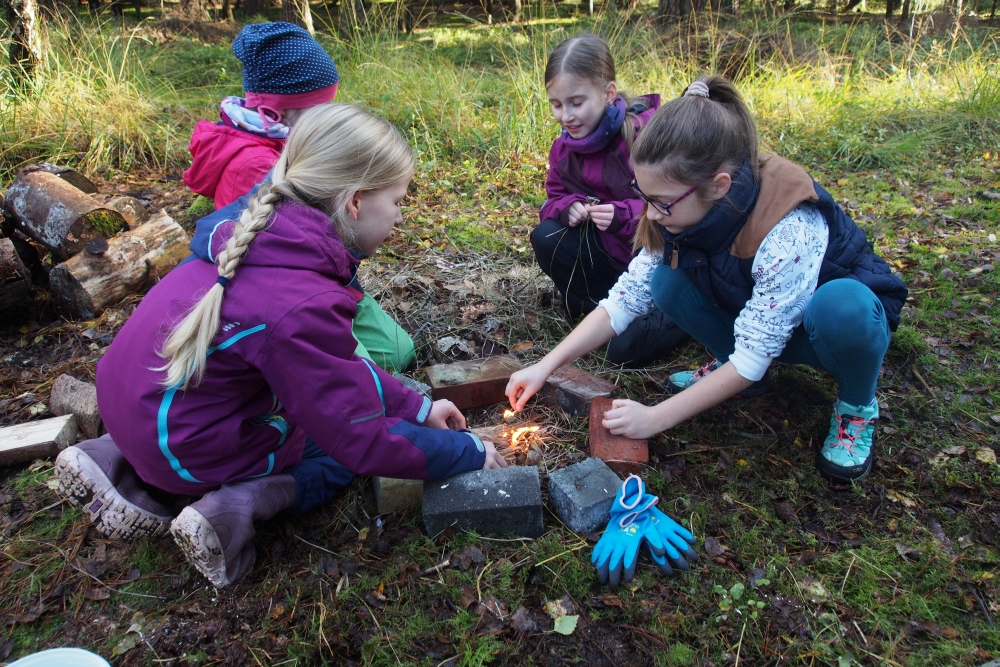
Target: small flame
{"points": [[519, 432], [507, 414]]}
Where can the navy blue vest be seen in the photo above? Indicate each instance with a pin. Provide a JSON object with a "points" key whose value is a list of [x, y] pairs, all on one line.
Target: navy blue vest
{"points": [[703, 251]]}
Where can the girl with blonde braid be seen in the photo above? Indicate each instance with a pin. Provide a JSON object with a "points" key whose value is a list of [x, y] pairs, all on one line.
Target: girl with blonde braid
{"points": [[238, 382]]}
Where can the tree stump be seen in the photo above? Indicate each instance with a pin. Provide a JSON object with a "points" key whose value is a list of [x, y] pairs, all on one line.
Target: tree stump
{"points": [[107, 272], [15, 284], [58, 215]]}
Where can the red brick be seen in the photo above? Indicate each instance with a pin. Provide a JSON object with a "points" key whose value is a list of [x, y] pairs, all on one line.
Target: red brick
{"points": [[623, 455], [473, 384], [572, 390]]}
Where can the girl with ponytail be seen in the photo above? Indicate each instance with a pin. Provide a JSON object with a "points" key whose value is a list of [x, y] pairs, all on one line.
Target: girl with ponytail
{"points": [[238, 382], [749, 255]]}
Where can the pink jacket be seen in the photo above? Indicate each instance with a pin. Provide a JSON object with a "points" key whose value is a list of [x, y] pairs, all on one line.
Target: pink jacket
{"points": [[226, 162]]}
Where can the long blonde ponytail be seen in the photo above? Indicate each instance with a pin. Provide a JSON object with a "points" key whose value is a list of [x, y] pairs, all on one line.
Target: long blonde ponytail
{"points": [[334, 151]]}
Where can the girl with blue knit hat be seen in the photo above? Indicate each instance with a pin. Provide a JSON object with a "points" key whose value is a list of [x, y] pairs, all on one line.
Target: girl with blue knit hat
{"points": [[285, 71]]}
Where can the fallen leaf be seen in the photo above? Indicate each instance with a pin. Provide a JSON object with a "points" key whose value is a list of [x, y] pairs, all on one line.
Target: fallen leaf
{"points": [[491, 604], [986, 455], [713, 547], [901, 498], [565, 625], [467, 598], [954, 450], [97, 594], [522, 621], [814, 587], [527, 346], [908, 553], [556, 609]]}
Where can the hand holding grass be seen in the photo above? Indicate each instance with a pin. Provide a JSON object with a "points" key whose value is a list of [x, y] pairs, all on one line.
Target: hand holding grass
{"points": [[577, 213], [602, 215]]}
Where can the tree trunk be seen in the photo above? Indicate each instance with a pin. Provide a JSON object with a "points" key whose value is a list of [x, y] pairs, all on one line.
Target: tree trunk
{"points": [[25, 51], [90, 282], [890, 7], [905, 12], [58, 215], [297, 12], [227, 10], [15, 282]]}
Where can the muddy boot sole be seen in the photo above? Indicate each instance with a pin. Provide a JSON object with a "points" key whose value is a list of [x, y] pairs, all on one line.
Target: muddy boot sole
{"points": [[84, 483], [196, 537]]}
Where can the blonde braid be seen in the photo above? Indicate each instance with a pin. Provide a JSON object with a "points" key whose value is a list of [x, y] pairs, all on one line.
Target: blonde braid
{"points": [[187, 346]]}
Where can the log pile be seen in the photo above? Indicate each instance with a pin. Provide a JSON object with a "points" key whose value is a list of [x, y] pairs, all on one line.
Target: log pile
{"points": [[92, 249]]}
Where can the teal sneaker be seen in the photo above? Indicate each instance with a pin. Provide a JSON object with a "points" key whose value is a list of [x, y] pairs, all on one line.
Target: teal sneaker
{"points": [[846, 454], [678, 382]]}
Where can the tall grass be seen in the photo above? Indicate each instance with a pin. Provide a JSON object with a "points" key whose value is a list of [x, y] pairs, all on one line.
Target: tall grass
{"points": [[92, 103], [862, 94]]}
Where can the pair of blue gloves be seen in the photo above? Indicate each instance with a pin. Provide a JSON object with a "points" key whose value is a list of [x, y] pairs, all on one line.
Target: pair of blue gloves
{"points": [[635, 521]]}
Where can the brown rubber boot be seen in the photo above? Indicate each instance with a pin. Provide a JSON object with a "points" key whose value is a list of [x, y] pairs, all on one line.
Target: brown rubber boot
{"points": [[216, 532]]}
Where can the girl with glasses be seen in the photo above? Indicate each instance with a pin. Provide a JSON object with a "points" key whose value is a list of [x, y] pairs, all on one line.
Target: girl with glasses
{"points": [[584, 241], [753, 258]]}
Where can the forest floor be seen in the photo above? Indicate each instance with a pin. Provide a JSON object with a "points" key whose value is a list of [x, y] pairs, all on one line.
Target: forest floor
{"points": [[899, 569]]}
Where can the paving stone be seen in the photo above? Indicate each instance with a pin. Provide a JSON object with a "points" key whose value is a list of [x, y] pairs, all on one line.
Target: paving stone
{"points": [[492, 502], [73, 397], [415, 385], [474, 383], [581, 495], [572, 390], [393, 495], [622, 454]]}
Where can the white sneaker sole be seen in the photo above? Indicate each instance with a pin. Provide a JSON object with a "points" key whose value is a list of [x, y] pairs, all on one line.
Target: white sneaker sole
{"points": [[84, 484], [196, 537]]}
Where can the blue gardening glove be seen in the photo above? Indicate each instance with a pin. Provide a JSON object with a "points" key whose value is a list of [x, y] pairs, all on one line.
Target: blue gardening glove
{"points": [[669, 542], [616, 554]]}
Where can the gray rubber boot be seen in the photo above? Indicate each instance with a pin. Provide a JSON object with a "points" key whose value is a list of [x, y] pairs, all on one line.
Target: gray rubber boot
{"points": [[95, 475], [216, 532]]}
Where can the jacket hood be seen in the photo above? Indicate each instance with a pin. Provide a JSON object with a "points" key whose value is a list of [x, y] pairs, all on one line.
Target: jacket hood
{"points": [[213, 147], [300, 236]]}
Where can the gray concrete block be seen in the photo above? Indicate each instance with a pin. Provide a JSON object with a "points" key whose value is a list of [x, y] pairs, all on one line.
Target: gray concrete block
{"points": [[492, 502], [581, 495], [72, 397], [393, 495]]}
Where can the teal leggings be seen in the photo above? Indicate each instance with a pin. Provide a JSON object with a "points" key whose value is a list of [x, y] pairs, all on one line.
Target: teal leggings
{"points": [[844, 330]]}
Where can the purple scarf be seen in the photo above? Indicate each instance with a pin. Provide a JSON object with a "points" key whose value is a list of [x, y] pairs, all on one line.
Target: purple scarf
{"points": [[599, 139]]}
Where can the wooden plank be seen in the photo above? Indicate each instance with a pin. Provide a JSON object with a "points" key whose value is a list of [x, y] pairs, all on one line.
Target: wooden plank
{"points": [[35, 440]]}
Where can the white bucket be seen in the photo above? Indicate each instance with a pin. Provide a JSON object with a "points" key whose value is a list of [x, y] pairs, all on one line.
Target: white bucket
{"points": [[61, 657]]}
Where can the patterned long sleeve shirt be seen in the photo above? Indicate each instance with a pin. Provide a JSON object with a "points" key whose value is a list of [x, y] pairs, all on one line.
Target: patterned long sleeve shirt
{"points": [[785, 272]]}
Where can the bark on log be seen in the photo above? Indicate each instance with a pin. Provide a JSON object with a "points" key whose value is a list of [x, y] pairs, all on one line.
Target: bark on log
{"points": [[68, 174], [133, 210], [87, 284], [15, 283], [58, 215]]}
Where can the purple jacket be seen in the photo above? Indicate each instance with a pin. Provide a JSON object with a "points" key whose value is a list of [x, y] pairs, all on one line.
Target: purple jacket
{"points": [[281, 368], [606, 175]]}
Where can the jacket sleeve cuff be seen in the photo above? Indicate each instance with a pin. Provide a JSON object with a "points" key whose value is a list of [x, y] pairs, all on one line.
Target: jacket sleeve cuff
{"points": [[750, 364], [424, 411]]}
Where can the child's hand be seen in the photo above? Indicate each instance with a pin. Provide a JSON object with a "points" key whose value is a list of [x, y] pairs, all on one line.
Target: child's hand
{"points": [[444, 414], [493, 458], [524, 384], [602, 215], [631, 419], [577, 213]]}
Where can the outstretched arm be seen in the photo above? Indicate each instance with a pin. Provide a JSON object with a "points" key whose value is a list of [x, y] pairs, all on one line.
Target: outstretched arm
{"points": [[595, 330]]}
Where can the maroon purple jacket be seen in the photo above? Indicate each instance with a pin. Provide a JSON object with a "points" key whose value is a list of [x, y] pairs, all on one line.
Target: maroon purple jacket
{"points": [[606, 175], [281, 368]]}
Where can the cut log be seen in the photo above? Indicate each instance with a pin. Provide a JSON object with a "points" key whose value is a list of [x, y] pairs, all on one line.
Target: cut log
{"points": [[35, 440], [100, 277], [133, 210], [68, 174], [58, 215], [15, 282]]}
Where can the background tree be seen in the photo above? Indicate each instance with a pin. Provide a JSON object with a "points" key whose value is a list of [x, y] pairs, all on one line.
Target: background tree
{"points": [[25, 50]]}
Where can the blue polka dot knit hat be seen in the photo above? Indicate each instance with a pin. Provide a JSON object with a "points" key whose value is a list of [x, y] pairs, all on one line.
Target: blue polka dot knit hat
{"points": [[284, 67]]}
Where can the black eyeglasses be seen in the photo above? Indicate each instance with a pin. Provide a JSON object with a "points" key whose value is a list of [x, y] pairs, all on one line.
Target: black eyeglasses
{"points": [[662, 207]]}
